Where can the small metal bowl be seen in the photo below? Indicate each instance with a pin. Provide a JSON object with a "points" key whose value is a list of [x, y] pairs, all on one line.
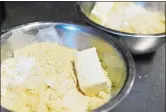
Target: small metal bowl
{"points": [[81, 37], [136, 43]]}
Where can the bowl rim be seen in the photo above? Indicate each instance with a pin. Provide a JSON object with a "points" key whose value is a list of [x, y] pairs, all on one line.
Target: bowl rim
{"points": [[79, 10], [126, 55]]}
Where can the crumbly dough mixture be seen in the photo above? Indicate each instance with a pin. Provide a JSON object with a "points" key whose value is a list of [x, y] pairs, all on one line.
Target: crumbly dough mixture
{"points": [[128, 17], [41, 78]]}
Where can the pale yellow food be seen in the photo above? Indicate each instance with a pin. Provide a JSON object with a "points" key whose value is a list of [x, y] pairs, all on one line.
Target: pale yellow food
{"points": [[41, 78], [90, 74], [101, 11], [128, 17]]}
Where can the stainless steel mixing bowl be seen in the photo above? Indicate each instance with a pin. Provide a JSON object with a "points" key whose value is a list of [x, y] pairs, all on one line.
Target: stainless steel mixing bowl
{"points": [[136, 43], [81, 37]]}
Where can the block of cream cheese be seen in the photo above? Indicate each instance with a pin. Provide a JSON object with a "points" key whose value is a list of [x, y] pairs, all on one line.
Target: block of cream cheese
{"points": [[90, 74], [101, 11]]}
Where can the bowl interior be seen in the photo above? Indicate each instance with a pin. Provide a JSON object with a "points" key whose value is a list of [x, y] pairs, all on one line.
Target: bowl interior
{"points": [[85, 9], [80, 38]]}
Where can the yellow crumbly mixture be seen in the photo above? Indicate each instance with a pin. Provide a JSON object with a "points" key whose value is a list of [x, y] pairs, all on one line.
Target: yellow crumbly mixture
{"points": [[128, 17], [41, 78]]}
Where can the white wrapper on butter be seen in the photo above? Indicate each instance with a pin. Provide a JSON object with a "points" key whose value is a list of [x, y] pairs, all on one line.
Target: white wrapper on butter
{"points": [[90, 74]]}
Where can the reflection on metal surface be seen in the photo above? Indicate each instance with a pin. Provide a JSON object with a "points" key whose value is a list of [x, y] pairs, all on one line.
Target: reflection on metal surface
{"points": [[131, 41], [80, 37]]}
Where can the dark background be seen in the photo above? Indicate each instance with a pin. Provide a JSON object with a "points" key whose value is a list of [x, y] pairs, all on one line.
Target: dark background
{"points": [[24, 12], [148, 93]]}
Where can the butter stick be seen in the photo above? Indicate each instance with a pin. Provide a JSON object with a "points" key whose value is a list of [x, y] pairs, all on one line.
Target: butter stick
{"points": [[90, 74]]}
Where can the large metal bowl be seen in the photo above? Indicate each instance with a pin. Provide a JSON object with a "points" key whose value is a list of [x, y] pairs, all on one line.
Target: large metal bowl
{"points": [[80, 37], [136, 43]]}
